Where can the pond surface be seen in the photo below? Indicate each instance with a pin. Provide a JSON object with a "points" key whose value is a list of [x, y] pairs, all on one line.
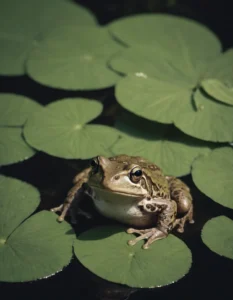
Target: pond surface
{"points": [[210, 275]]}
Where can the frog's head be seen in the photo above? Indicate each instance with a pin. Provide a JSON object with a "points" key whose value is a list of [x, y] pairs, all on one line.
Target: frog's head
{"points": [[125, 177]]}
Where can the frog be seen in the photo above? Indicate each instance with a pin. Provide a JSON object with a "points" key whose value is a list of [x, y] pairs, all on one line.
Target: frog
{"points": [[135, 192]]}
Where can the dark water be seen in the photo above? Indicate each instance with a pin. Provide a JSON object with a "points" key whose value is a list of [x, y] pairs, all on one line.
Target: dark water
{"points": [[210, 275]]}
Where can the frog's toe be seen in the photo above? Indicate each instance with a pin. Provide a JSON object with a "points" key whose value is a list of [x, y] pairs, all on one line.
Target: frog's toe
{"points": [[150, 235], [56, 209]]}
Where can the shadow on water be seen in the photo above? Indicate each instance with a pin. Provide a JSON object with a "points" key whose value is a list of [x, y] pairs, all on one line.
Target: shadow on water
{"points": [[210, 274]]}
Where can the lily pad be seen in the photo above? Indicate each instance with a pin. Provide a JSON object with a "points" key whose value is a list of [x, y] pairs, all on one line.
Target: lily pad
{"points": [[33, 248], [212, 175], [74, 58], [173, 151], [16, 109], [153, 99], [13, 147], [218, 90], [104, 251], [207, 119], [61, 129], [14, 51], [16, 41], [36, 16], [170, 32], [217, 234]]}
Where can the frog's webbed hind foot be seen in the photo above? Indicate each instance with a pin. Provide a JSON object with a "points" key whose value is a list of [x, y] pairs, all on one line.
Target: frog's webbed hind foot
{"points": [[180, 223], [151, 235]]}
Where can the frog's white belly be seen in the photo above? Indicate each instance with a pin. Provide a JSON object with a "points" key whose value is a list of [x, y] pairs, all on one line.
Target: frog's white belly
{"points": [[121, 208]]}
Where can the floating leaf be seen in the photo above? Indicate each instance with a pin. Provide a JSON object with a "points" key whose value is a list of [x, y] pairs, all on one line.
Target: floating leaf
{"points": [[34, 248], [221, 68], [217, 234], [218, 90], [104, 251], [74, 58], [170, 32], [151, 98], [60, 129], [14, 51], [163, 145], [16, 109], [36, 16], [209, 121], [212, 174], [13, 147], [16, 41], [155, 62]]}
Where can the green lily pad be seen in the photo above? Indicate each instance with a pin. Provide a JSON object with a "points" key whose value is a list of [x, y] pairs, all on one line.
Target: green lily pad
{"points": [[218, 90], [173, 151], [13, 147], [74, 58], [16, 41], [14, 51], [16, 109], [36, 16], [212, 175], [153, 99], [209, 121], [217, 235], [61, 129], [104, 251], [33, 248], [170, 32], [220, 68]]}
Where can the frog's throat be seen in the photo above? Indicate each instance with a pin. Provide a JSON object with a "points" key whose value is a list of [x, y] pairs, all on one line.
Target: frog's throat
{"points": [[116, 193]]}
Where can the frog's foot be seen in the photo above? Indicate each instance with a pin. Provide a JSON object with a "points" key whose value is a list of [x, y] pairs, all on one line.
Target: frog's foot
{"points": [[63, 208], [180, 223], [151, 235]]}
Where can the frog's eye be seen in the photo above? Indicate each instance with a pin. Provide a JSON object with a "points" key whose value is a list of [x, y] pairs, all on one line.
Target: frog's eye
{"points": [[95, 165], [136, 175]]}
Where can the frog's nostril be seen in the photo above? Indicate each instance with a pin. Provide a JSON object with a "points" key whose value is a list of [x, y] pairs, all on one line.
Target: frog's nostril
{"points": [[116, 177]]}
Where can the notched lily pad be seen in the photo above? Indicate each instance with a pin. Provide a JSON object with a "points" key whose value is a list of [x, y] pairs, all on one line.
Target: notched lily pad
{"points": [[16, 41], [31, 249], [207, 119], [105, 252], [170, 32], [15, 109], [74, 58], [173, 151], [217, 235], [212, 175], [218, 90], [61, 129], [13, 147]]}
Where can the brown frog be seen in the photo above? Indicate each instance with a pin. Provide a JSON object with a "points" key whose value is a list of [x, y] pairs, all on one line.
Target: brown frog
{"points": [[134, 191]]}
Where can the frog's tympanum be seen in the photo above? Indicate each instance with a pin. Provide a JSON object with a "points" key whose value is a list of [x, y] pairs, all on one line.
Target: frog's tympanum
{"points": [[134, 191]]}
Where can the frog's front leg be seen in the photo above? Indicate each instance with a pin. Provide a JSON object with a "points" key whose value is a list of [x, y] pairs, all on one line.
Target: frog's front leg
{"points": [[78, 181], [166, 216]]}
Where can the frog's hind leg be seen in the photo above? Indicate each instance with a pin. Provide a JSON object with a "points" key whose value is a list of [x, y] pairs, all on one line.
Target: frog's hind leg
{"points": [[180, 193]]}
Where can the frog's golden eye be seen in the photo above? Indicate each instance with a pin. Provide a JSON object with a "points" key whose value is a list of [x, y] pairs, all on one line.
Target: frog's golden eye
{"points": [[136, 174], [95, 165]]}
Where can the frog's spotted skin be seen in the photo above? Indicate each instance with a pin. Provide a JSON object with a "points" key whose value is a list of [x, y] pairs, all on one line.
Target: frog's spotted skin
{"points": [[134, 191]]}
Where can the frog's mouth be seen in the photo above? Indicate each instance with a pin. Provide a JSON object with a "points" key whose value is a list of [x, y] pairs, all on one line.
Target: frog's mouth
{"points": [[109, 191]]}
